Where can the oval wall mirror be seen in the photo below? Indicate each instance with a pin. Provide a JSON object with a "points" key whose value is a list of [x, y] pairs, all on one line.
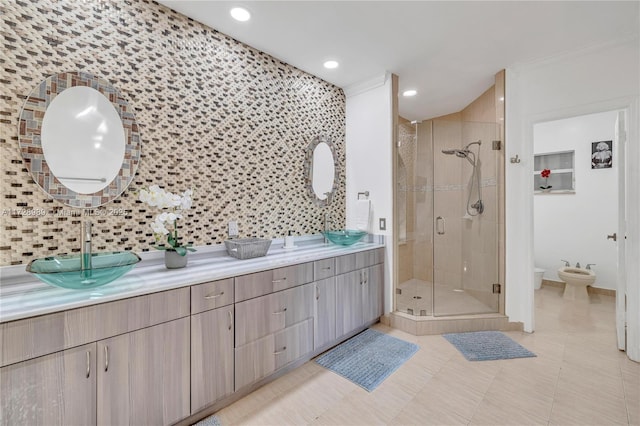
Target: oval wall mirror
{"points": [[321, 170], [79, 139]]}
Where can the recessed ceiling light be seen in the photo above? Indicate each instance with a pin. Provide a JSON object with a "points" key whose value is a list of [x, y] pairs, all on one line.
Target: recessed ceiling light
{"points": [[240, 14], [331, 64], [410, 92]]}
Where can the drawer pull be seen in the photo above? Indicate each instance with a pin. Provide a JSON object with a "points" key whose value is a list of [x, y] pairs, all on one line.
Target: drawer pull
{"points": [[88, 364], [214, 296], [280, 280], [327, 268], [279, 312], [280, 351]]}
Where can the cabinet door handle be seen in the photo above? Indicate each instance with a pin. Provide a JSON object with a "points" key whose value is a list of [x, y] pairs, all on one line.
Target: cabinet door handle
{"points": [[230, 320], [284, 348], [317, 293], [366, 276], [88, 364], [279, 312], [106, 358], [361, 277], [327, 268], [440, 230], [213, 296], [280, 280]]}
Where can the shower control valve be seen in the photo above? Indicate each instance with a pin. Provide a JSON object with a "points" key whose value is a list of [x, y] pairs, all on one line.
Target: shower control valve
{"points": [[566, 262]]}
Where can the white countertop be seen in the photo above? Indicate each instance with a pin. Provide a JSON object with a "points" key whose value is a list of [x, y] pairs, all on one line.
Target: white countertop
{"points": [[23, 296]]}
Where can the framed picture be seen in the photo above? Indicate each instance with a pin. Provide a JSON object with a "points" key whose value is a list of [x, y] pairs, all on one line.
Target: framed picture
{"points": [[601, 154]]}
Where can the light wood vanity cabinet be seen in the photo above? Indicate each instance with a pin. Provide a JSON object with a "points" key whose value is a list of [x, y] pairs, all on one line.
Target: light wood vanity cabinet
{"points": [[159, 358], [266, 282], [211, 295], [271, 331], [260, 358], [130, 364], [324, 268], [212, 356], [143, 376], [359, 292], [265, 315], [55, 389], [324, 312]]}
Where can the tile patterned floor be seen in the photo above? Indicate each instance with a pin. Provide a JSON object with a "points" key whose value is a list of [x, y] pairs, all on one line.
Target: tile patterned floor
{"points": [[578, 378]]}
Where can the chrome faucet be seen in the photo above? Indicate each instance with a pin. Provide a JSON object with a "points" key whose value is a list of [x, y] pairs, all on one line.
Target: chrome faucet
{"points": [[577, 264], [589, 265], [327, 221], [566, 262], [85, 247]]}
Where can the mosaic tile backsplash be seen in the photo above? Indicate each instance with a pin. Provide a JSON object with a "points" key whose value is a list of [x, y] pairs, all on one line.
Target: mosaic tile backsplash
{"points": [[215, 115]]}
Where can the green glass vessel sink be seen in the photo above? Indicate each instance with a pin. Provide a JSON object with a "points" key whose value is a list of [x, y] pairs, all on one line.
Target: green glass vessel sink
{"points": [[344, 237], [65, 271]]}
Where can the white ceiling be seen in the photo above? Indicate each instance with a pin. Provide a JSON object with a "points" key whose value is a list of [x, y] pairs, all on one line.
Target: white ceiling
{"points": [[448, 50]]}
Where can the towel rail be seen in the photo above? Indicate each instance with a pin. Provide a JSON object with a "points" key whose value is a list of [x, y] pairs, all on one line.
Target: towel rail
{"points": [[365, 193]]}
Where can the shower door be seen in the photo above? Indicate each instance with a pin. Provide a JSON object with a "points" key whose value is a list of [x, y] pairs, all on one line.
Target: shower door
{"points": [[465, 218]]}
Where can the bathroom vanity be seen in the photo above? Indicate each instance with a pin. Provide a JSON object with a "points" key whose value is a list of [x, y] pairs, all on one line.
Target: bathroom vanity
{"points": [[160, 346]]}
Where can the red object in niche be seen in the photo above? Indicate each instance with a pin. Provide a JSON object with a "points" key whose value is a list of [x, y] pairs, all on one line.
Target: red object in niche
{"points": [[545, 173]]}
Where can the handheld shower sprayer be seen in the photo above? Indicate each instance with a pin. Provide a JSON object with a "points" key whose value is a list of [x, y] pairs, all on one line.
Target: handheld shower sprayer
{"points": [[473, 159]]}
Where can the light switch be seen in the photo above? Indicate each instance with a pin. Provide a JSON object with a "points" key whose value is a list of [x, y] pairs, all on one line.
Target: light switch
{"points": [[383, 224]]}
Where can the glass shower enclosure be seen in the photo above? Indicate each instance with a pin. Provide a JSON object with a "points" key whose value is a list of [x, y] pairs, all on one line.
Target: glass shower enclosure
{"points": [[447, 207]]}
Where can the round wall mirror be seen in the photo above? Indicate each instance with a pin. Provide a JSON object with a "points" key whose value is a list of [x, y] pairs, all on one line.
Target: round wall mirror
{"points": [[322, 174], [79, 139]]}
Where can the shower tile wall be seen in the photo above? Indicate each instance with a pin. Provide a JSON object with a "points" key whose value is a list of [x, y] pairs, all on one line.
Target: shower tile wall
{"points": [[215, 115]]}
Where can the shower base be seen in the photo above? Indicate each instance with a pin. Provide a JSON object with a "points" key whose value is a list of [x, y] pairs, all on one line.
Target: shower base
{"points": [[457, 311], [414, 297]]}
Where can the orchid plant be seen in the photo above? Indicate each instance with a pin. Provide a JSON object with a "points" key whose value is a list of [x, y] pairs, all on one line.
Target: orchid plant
{"points": [[166, 223], [545, 175]]}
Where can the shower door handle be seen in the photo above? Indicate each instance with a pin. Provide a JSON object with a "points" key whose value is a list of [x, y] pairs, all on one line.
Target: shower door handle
{"points": [[440, 225]]}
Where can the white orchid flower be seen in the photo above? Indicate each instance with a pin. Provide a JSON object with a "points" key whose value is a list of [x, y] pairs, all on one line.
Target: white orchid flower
{"points": [[159, 228]]}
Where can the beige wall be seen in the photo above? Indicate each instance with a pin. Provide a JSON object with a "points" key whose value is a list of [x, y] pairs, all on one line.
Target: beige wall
{"points": [[227, 120]]}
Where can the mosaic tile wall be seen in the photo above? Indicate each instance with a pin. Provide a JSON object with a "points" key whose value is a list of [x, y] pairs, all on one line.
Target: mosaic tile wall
{"points": [[215, 115]]}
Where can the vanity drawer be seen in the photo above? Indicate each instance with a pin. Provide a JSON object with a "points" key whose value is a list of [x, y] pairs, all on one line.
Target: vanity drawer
{"points": [[259, 317], [211, 295], [324, 269], [362, 259], [259, 359], [260, 283], [293, 343]]}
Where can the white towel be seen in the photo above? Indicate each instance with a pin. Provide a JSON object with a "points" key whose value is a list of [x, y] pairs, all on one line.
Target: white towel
{"points": [[363, 215]]}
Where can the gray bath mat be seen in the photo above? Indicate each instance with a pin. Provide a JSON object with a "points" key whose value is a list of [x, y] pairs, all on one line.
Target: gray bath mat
{"points": [[368, 358], [487, 345]]}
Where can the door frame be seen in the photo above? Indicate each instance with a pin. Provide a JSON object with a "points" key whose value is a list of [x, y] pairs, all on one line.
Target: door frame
{"points": [[632, 202]]}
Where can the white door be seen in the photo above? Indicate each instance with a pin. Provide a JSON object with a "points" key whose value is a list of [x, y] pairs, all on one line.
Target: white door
{"points": [[621, 288]]}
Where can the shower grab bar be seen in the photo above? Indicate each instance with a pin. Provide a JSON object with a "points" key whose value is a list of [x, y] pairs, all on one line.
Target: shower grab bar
{"points": [[440, 220]]}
